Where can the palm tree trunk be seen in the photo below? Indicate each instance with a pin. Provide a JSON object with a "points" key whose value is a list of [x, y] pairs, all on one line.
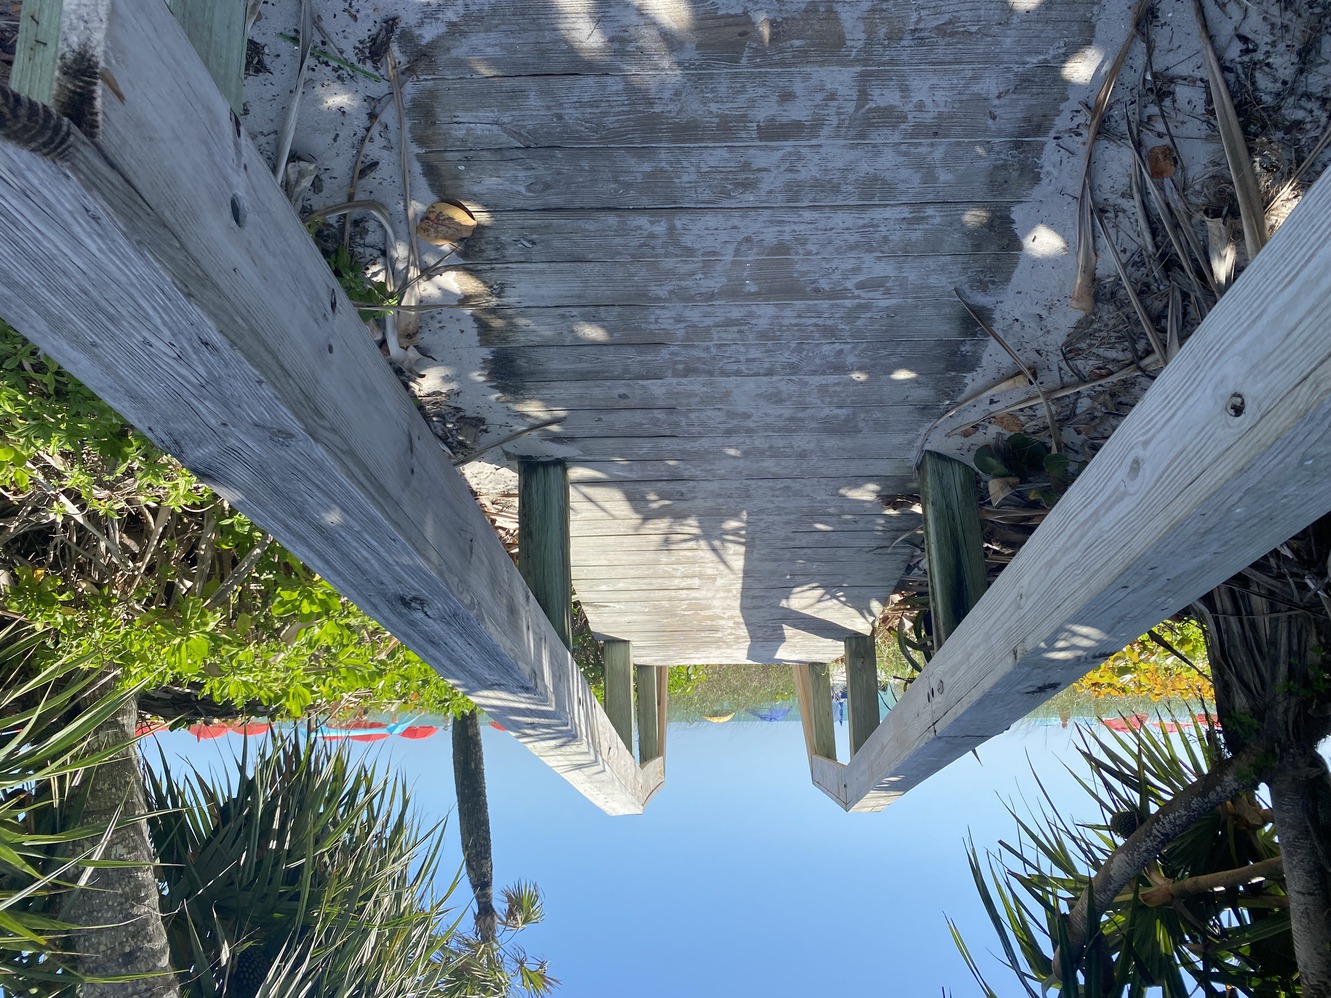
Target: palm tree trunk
{"points": [[1301, 800], [474, 819], [120, 931]]}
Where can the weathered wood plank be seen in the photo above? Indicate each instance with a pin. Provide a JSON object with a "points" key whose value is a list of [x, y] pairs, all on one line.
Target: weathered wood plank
{"points": [[521, 37], [854, 386], [619, 689], [882, 457], [543, 541], [911, 230], [834, 173], [737, 418], [861, 689], [168, 250], [767, 477], [773, 531], [907, 361], [813, 688], [1230, 442], [691, 322], [651, 725], [976, 102], [646, 504], [884, 366], [752, 280], [953, 543]]}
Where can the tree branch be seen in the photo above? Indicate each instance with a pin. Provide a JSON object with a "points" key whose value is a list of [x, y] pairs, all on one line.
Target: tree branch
{"points": [[1224, 781]]}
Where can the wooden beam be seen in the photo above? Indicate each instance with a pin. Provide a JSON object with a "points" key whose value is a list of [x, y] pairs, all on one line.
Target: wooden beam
{"points": [[619, 688], [953, 545], [165, 269], [861, 688], [650, 726], [813, 688], [1223, 459], [216, 29], [543, 541]]}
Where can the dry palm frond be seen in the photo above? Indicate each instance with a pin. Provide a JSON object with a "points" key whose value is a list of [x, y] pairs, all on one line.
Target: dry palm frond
{"points": [[1083, 290], [1251, 208]]}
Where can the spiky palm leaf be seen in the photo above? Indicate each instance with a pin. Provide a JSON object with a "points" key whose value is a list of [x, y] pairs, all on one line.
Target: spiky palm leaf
{"points": [[1225, 938], [311, 868], [50, 707]]}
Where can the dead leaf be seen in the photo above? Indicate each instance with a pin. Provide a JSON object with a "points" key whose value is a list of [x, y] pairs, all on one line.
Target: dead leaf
{"points": [[1161, 161], [970, 431], [1001, 488], [1007, 422]]}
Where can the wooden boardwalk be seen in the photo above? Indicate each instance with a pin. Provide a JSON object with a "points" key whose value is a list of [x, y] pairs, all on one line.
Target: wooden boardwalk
{"points": [[722, 243]]}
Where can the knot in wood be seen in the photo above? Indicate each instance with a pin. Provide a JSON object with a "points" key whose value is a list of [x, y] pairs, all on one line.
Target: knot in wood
{"points": [[1235, 404]]}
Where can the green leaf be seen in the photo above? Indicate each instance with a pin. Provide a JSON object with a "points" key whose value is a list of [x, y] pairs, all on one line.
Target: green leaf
{"points": [[988, 462]]}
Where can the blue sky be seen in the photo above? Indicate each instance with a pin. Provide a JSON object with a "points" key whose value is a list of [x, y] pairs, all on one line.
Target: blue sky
{"points": [[741, 878]]}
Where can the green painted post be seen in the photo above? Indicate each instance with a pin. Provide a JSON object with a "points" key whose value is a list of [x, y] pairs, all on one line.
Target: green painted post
{"points": [[619, 688], [543, 541], [649, 712], [861, 688], [953, 544], [216, 29]]}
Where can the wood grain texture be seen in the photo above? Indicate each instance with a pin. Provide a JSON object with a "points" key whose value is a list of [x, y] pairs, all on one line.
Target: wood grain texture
{"points": [[543, 542], [902, 231], [722, 244], [953, 542], [861, 689], [619, 689], [525, 37], [813, 687], [650, 720], [858, 321], [1223, 459], [880, 367], [980, 101], [752, 280], [262, 380], [794, 176]]}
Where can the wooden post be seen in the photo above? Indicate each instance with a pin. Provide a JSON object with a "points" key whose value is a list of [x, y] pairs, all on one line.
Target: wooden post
{"points": [[1223, 459], [650, 727], [813, 687], [543, 542], [216, 28], [861, 688], [953, 545], [619, 688], [164, 268]]}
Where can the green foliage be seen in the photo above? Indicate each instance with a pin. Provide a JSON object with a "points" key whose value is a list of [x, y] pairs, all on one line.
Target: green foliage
{"points": [[49, 711], [1044, 475], [310, 875], [119, 550], [351, 274], [1148, 940]]}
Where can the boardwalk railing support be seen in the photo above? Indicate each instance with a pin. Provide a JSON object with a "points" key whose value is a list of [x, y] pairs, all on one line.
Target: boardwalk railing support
{"points": [[619, 688], [652, 686], [543, 541], [861, 688], [1222, 460], [163, 267], [953, 544], [813, 688]]}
